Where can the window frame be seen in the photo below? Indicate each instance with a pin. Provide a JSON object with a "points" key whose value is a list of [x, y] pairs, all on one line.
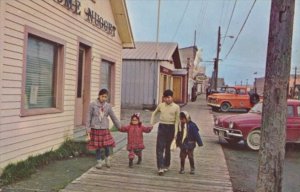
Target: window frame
{"points": [[59, 75], [112, 62]]}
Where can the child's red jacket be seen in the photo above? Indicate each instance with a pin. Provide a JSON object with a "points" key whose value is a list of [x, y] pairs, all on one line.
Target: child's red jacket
{"points": [[135, 136]]}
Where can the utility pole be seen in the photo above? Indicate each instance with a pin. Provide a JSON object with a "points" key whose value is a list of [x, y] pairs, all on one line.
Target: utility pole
{"points": [[278, 67], [216, 63], [295, 78]]}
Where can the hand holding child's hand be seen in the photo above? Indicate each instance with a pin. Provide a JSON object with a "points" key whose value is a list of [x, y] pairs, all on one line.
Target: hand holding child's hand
{"points": [[88, 136]]}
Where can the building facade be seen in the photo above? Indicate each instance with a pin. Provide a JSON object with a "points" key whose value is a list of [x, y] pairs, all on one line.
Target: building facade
{"points": [[146, 75], [55, 56]]}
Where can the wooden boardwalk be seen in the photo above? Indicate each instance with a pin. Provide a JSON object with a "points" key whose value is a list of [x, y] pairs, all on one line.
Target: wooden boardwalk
{"points": [[211, 170]]}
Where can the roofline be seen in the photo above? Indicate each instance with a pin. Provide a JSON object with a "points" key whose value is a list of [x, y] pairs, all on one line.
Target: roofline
{"points": [[120, 13]]}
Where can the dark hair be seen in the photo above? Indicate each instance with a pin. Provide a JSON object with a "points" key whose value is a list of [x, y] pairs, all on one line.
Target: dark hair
{"points": [[168, 92], [182, 115], [136, 115], [103, 92]]}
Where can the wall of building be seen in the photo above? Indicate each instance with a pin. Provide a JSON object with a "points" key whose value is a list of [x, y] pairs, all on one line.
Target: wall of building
{"points": [[23, 136], [138, 84]]}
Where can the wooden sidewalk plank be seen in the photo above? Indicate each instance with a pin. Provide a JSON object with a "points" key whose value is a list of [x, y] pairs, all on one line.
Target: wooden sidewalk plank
{"points": [[211, 169]]}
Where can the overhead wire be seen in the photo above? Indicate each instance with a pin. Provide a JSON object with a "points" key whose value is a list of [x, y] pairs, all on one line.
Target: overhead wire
{"points": [[202, 19], [233, 9], [181, 19], [240, 30]]}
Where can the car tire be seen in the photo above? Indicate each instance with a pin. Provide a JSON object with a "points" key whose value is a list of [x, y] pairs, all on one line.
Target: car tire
{"points": [[233, 140], [225, 107], [253, 140]]}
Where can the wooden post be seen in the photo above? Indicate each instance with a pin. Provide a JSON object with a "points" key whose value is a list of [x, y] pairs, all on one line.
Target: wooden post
{"points": [[272, 148]]}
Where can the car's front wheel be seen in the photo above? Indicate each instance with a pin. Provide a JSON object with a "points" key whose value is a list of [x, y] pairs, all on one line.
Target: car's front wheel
{"points": [[253, 140], [225, 107]]}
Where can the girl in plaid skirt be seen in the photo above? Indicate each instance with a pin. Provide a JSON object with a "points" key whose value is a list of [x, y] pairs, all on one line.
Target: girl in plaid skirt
{"points": [[97, 127]]}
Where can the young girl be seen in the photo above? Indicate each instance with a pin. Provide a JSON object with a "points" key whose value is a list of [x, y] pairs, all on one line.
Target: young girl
{"points": [[135, 143], [97, 127], [187, 137]]}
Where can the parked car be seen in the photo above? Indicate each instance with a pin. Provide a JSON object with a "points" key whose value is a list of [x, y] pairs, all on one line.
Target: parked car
{"points": [[236, 97], [234, 128]]}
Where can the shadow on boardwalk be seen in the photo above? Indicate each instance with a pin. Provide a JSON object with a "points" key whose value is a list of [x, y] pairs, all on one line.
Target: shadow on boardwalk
{"points": [[211, 170]]}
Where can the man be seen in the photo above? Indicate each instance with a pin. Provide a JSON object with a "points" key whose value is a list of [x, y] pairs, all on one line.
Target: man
{"points": [[167, 129]]}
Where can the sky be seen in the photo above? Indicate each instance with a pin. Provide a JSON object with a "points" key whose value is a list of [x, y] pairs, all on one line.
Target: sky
{"points": [[179, 19]]}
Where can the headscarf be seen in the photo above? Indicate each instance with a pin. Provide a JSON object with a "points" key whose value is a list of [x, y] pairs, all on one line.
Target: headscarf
{"points": [[183, 128]]}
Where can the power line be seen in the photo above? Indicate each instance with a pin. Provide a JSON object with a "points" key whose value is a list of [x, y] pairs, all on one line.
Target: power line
{"points": [[186, 6], [233, 9], [240, 30]]}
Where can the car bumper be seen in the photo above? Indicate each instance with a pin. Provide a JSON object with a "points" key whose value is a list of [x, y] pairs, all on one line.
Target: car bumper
{"points": [[213, 104], [227, 133]]}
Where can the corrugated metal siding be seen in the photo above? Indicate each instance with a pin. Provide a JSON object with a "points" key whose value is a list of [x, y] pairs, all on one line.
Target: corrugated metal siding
{"points": [[147, 51], [20, 137], [138, 83]]}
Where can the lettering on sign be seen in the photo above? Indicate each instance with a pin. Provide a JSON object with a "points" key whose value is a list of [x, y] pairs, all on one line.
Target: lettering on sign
{"points": [[91, 16], [73, 5], [98, 21]]}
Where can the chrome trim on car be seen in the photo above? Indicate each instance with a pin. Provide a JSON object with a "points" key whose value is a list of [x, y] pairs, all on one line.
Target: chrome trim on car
{"points": [[228, 133], [213, 105]]}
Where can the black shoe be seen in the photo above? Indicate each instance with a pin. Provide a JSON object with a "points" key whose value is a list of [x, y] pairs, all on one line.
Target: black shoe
{"points": [[130, 163], [139, 160]]}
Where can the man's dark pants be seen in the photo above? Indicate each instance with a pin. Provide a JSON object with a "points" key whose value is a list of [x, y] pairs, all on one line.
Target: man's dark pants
{"points": [[164, 139]]}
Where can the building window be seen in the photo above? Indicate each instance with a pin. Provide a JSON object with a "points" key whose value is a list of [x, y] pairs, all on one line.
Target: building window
{"points": [[42, 90], [106, 78]]}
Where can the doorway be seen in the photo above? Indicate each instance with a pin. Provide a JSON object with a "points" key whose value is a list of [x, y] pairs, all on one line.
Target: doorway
{"points": [[82, 85]]}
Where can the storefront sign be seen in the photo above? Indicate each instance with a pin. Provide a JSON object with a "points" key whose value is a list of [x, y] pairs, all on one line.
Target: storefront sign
{"points": [[91, 16], [165, 70], [95, 19], [200, 78], [72, 5]]}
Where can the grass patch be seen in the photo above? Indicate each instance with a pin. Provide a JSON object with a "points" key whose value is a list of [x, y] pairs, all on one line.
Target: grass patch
{"points": [[24, 169]]}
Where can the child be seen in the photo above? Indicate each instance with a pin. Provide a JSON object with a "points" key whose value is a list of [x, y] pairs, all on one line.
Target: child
{"points": [[186, 139], [168, 121], [97, 127], [135, 143]]}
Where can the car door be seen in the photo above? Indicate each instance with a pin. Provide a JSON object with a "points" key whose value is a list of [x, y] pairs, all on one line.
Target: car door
{"points": [[293, 123]]}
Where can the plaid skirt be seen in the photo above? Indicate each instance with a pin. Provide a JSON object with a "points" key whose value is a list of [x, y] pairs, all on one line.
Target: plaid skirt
{"points": [[100, 138]]}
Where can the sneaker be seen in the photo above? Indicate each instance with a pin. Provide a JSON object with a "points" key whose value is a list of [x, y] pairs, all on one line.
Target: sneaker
{"points": [[130, 163], [107, 162], [166, 169], [160, 172], [181, 171], [192, 171], [99, 164]]}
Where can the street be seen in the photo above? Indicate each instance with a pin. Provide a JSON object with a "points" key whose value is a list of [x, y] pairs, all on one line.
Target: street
{"points": [[243, 165]]}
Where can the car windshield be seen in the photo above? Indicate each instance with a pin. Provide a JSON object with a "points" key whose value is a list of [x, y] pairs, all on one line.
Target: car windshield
{"points": [[257, 108]]}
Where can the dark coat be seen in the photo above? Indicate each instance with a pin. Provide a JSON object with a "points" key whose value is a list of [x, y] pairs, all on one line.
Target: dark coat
{"points": [[191, 139]]}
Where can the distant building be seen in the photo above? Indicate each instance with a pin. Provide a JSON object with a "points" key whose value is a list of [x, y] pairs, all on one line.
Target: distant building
{"points": [[260, 81], [145, 76]]}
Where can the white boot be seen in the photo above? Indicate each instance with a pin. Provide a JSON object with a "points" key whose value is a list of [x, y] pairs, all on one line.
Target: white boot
{"points": [[99, 164], [107, 161]]}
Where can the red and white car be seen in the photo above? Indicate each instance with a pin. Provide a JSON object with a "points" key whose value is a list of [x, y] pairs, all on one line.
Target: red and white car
{"points": [[234, 128]]}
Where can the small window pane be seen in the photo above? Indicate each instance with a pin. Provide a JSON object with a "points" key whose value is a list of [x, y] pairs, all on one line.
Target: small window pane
{"points": [[106, 75], [290, 111], [40, 73]]}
